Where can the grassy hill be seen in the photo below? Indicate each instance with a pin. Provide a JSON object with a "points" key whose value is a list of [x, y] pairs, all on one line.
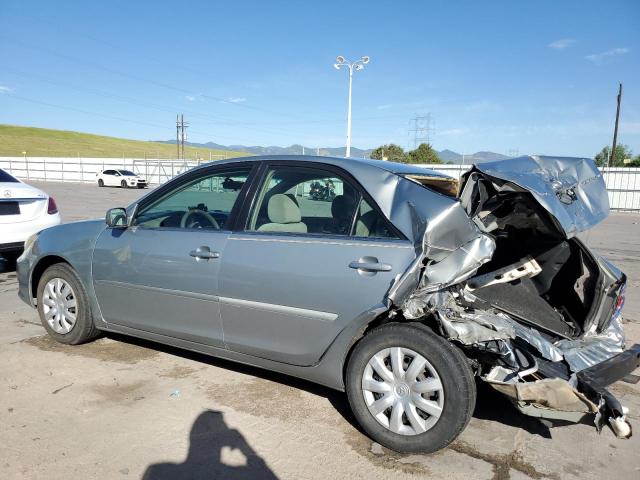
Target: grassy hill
{"points": [[42, 142]]}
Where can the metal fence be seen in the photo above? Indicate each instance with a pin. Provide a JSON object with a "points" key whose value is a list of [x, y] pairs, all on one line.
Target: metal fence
{"points": [[623, 184]]}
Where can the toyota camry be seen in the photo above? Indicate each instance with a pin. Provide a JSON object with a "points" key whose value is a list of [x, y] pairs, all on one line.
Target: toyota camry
{"points": [[403, 290]]}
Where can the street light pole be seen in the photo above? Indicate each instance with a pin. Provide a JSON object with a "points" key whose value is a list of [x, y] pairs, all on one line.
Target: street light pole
{"points": [[357, 65], [348, 152]]}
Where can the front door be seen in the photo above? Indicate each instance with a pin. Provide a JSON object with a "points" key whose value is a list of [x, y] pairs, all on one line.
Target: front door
{"points": [[315, 255], [160, 275]]}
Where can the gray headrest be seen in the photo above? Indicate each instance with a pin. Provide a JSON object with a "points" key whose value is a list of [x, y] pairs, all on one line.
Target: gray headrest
{"points": [[282, 209]]}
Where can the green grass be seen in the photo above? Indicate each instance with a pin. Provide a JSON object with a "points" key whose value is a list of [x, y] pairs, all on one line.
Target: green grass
{"points": [[42, 142]]}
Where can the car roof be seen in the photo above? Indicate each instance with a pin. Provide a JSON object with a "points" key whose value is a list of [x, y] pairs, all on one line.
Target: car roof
{"points": [[350, 164]]}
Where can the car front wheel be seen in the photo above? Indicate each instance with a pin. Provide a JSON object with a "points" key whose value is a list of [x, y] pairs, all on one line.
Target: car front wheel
{"points": [[410, 389], [101, 183], [63, 306], [123, 184]]}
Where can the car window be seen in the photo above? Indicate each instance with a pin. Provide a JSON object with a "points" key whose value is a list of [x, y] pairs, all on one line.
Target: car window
{"points": [[308, 200], [5, 177], [371, 223], [204, 203], [127, 173]]}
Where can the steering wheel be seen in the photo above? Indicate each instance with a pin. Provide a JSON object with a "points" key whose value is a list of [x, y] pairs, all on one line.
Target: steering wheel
{"points": [[186, 223]]}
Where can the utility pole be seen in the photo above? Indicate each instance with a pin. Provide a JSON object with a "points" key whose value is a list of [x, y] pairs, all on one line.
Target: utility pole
{"points": [[184, 133], [421, 130], [177, 137], [181, 134], [615, 129]]}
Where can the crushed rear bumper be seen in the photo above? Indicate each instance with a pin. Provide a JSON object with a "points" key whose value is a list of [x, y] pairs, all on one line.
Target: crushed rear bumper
{"points": [[593, 382]]}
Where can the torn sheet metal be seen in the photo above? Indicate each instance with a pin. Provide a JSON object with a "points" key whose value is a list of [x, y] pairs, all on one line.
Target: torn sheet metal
{"points": [[570, 189], [549, 393], [451, 250], [593, 349], [471, 329]]}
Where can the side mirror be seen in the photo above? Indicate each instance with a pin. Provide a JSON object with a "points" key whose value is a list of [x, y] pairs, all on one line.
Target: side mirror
{"points": [[116, 218]]}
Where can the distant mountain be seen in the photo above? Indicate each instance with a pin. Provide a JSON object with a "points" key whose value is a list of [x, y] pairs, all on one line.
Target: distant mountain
{"points": [[478, 157], [275, 150], [445, 155]]}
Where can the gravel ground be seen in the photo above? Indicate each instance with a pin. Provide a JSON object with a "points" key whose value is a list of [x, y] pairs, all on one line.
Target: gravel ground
{"points": [[122, 408]]}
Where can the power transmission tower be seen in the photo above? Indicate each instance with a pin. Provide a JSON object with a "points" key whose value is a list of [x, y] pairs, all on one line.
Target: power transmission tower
{"points": [[421, 131], [181, 135]]}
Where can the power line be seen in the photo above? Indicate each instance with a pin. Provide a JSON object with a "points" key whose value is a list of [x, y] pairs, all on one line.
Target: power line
{"points": [[146, 80]]}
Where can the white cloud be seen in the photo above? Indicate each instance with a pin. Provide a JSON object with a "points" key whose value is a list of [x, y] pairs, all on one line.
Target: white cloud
{"points": [[190, 98], [385, 106], [5, 89], [600, 57], [237, 99], [562, 43]]}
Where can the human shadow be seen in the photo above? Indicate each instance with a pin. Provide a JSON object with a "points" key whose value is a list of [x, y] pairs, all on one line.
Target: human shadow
{"points": [[215, 452]]}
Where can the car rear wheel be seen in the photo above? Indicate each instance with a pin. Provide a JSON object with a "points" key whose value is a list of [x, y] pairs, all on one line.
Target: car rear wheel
{"points": [[410, 390], [63, 306], [100, 182], [123, 184]]}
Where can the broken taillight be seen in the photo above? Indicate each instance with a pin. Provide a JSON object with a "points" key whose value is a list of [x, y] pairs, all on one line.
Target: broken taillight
{"points": [[52, 207], [620, 300]]}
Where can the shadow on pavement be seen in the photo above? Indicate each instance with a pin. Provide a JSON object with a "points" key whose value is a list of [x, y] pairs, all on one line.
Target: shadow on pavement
{"points": [[490, 405], [215, 452]]}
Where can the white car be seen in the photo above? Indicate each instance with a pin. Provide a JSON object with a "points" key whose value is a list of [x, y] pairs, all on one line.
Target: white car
{"points": [[24, 210], [120, 178]]}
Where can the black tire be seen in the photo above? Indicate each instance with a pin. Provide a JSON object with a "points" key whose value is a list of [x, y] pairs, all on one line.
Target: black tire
{"points": [[451, 366], [123, 184], [84, 329], [100, 182]]}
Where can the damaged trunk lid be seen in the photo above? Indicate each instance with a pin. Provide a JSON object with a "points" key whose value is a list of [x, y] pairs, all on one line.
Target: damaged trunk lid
{"points": [[571, 190]]}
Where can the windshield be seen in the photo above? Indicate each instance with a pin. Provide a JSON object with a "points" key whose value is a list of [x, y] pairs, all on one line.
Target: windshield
{"points": [[5, 177], [127, 173]]}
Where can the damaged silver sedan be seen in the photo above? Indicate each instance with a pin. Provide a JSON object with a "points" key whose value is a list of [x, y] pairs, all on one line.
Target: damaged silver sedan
{"points": [[399, 285]]}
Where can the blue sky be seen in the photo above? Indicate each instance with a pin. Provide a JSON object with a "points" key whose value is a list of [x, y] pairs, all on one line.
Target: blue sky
{"points": [[536, 77]]}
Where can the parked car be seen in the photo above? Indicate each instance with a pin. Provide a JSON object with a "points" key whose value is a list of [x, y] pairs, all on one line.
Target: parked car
{"points": [[423, 292], [24, 210], [120, 178]]}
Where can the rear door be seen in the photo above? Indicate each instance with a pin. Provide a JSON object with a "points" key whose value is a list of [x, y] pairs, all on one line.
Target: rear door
{"points": [[160, 275], [301, 270]]}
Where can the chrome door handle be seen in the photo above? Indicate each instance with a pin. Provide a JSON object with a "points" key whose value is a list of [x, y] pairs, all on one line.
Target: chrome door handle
{"points": [[370, 264], [204, 252]]}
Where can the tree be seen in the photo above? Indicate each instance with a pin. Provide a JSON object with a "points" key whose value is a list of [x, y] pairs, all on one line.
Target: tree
{"points": [[622, 152], [391, 152], [424, 154]]}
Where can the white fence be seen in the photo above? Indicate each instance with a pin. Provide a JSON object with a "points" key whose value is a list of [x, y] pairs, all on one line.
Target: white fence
{"points": [[70, 169], [623, 184]]}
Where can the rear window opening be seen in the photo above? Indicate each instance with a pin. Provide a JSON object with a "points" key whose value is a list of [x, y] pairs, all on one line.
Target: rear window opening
{"points": [[444, 185], [5, 177]]}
